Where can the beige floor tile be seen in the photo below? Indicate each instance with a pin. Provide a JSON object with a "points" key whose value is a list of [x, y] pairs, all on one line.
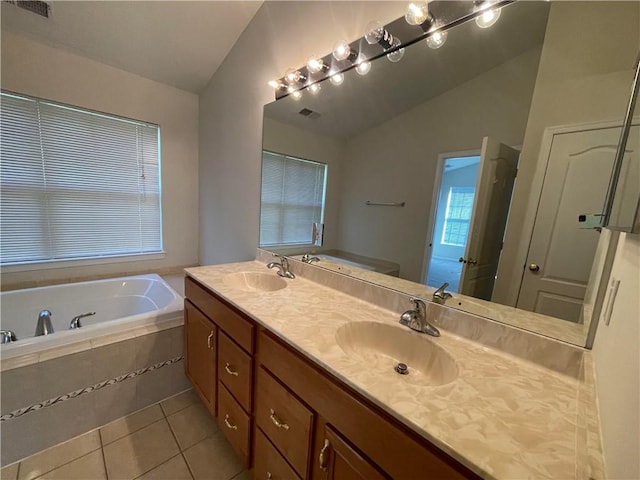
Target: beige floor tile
{"points": [[10, 472], [131, 423], [213, 459], [47, 460], [135, 454], [89, 467], [192, 424], [179, 402], [174, 469]]}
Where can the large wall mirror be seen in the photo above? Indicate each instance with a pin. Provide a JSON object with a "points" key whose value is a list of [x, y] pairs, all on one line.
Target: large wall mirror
{"points": [[474, 164]]}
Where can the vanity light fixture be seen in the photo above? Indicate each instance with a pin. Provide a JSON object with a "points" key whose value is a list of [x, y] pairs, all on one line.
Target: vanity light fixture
{"points": [[489, 14], [376, 33], [337, 78], [362, 68], [276, 85], [437, 39]]}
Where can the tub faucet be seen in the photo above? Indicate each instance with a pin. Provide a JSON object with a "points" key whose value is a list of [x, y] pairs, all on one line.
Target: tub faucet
{"points": [[307, 258], [44, 326], [440, 296], [75, 323], [417, 319], [7, 336], [283, 267]]}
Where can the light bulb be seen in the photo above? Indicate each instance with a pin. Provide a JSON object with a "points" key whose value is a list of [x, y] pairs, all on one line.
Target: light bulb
{"points": [[314, 88], [293, 76], [417, 13], [398, 54], [274, 84], [363, 68], [336, 78], [341, 50], [315, 64], [296, 95], [374, 32], [437, 39], [489, 15]]}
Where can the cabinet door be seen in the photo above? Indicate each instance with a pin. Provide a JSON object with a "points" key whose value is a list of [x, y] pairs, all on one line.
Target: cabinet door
{"points": [[341, 461], [200, 336]]}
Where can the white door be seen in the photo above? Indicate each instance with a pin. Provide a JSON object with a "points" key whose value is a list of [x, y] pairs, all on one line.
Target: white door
{"points": [[497, 173], [561, 253]]}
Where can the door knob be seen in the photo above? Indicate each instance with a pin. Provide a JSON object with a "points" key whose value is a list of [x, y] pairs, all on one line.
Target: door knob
{"points": [[462, 260], [534, 267]]}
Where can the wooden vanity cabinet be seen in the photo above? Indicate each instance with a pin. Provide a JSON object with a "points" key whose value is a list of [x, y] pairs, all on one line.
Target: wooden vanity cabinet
{"points": [[200, 337], [288, 417]]}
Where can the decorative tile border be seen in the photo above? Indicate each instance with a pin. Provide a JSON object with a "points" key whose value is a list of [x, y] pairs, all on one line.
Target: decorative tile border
{"points": [[76, 393]]}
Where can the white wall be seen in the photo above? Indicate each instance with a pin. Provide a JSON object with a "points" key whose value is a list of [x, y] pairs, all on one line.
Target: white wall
{"points": [[35, 69], [297, 142], [616, 352], [280, 36], [585, 75], [397, 161]]}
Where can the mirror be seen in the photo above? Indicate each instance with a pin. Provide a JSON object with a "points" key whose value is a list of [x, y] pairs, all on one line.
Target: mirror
{"points": [[465, 163]]}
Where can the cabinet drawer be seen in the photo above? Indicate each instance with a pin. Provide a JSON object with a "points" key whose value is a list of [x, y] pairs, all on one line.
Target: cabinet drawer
{"points": [[267, 461], [237, 327], [234, 370], [284, 420], [234, 423]]}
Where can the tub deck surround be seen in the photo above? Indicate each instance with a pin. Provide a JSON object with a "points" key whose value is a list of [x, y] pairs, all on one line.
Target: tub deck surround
{"points": [[504, 416]]}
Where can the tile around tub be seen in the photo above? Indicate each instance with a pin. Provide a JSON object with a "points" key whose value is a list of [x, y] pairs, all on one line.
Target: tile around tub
{"points": [[91, 466], [7, 364], [20, 388], [66, 374], [115, 401], [130, 424], [173, 469], [213, 459], [192, 425], [10, 472], [140, 452], [43, 462], [64, 350], [110, 361], [179, 402], [153, 348]]}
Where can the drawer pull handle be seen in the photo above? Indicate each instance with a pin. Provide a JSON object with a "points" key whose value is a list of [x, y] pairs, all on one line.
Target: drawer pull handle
{"points": [[322, 458], [277, 422], [229, 425], [228, 370], [269, 476], [209, 340]]}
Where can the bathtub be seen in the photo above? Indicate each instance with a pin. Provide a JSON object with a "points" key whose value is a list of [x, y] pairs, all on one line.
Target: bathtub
{"points": [[120, 305]]}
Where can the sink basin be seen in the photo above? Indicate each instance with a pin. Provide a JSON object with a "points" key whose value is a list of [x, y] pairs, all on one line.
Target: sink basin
{"points": [[255, 281], [381, 347]]}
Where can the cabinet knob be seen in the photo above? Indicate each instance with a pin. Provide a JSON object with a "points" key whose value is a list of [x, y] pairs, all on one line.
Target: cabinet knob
{"points": [[534, 267], [276, 421], [322, 458]]}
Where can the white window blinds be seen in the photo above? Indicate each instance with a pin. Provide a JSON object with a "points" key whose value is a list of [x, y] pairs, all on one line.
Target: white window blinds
{"points": [[293, 193], [76, 184]]}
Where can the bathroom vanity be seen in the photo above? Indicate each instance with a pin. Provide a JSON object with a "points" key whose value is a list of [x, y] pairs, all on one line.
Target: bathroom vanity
{"points": [[300, 378]]}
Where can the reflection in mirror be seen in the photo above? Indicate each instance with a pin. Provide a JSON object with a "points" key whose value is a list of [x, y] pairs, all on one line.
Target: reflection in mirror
{"points": [[465, 163]]}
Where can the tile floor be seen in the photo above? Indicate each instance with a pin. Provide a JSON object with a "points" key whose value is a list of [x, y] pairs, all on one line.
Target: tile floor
{"points": [[176, 439]]}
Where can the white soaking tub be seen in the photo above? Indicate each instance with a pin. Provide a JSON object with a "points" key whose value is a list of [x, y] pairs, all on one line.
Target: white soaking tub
{"points": [[121, 305]]}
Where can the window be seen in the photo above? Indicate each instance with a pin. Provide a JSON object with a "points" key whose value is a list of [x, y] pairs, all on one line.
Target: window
{"points": [[292, 199], [76, 184], [458, 216]]}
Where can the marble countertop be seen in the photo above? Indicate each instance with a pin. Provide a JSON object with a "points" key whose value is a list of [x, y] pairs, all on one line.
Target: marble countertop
{"points": [[502, 417]]}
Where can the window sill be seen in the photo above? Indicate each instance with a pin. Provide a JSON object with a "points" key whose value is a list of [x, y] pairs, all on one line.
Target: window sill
{"points": [[51, 264]]}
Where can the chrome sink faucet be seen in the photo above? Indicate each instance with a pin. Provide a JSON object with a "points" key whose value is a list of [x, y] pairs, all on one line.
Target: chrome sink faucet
{"points": [[283, 267], [307, 258], [440, 296], [417, 319]]}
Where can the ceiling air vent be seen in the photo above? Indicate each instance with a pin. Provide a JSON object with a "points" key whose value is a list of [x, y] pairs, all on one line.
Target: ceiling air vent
{"points": [[36, 6], [305, 112]]}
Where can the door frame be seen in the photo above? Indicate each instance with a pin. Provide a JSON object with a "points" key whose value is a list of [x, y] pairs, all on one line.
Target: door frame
{"points": [[437, 183], [507, 291]]}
